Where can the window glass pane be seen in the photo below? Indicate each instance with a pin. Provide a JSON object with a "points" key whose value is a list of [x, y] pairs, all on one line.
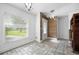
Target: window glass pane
{"points": [[15, 27]]}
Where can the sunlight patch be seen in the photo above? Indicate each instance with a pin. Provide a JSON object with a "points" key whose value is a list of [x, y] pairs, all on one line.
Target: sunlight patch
{"points": [[54, 40]]}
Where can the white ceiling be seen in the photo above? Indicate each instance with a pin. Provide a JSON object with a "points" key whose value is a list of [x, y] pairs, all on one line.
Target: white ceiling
{"points": [[42, 7]]}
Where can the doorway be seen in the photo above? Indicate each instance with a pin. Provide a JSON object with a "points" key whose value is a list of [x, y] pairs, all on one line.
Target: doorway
{"points": [[44, 27]]}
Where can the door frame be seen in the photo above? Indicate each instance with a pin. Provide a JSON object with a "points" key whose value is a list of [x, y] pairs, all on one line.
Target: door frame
{"points": [[41, 25]]}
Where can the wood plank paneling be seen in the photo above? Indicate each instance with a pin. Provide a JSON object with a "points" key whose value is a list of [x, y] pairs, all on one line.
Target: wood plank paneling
{"points": [[52, 28]]}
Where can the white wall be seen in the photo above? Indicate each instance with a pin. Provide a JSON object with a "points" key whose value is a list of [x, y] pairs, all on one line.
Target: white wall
{"points": [[62, 27], [38, 27], [1, 28], [5, 8]]}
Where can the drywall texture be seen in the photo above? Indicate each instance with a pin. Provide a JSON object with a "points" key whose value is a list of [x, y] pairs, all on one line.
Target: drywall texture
{"points": [[38, 27], [62, 27]]}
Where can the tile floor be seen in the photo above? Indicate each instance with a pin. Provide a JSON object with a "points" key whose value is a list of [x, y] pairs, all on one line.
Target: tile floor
{"points": [[48, 47]]}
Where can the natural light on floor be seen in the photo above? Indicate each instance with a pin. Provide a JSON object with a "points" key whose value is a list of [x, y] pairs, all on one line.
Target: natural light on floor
{"points": [[54, 40]]}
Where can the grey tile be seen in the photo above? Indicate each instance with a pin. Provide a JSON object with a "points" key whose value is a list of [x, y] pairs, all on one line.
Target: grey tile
{"points": [[44, 48], [59, 52]]}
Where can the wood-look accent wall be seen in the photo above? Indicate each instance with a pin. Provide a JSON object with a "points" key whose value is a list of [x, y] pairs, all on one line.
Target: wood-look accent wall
{"points": [[52, 28]]}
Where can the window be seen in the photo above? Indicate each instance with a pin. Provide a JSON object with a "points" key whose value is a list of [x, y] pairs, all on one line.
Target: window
{"points": [[15, 27]]}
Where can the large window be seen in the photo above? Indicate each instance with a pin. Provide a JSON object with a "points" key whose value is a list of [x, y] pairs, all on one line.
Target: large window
{"points": [[15, 27]]}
